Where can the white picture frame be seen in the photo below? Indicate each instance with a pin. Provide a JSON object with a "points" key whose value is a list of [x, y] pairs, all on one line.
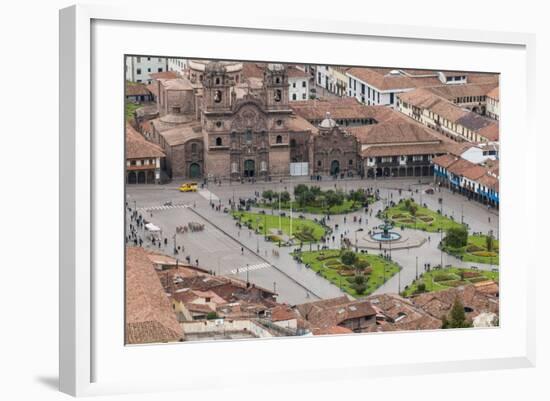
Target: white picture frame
{"points": [[91, 362]]}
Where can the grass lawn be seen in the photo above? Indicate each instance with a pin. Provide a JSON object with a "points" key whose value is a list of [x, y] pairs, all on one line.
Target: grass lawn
{"points": [[302, 229], [426, 219], [130, 108], [327, 263], [346, 207], [476, 251], [437, 280]]}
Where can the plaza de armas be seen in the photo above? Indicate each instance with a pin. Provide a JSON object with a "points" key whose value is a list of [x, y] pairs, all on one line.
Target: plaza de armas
{"points": [[367, 241]]}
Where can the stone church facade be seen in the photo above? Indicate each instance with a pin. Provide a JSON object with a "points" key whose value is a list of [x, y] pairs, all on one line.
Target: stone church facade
{"points": [[217, 123]]}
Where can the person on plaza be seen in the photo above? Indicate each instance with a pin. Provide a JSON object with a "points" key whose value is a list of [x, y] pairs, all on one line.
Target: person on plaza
{"points": [[242, 250], [197, 262]]}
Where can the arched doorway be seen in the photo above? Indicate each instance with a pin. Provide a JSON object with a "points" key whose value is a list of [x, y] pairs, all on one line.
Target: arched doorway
{"points": [[194, 170], [334, 167], [132, 179], [249, 168], [141, 177]]}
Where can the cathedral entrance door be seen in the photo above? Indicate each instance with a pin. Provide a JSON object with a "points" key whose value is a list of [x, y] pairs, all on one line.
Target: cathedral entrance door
{"points": [[194, 170], [249, 168], [335, 167]]}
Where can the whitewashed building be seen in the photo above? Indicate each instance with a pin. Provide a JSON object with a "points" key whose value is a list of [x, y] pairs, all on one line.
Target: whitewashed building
{"points": [[298, 84], [493, 104], [139, 68]]}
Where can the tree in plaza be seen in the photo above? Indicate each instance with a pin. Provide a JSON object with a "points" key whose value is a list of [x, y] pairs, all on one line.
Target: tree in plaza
{"points": [[348, 258], [407, 204], [300, 189], [361, 265], [457, 317], [359, 284], [357, 196], [285, 196], [413, 208], [334, 198], [457, 237], [268, 194]]}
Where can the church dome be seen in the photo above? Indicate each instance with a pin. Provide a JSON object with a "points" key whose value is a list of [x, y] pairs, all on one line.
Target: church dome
{"points": [[328, 122], [215, 66]]}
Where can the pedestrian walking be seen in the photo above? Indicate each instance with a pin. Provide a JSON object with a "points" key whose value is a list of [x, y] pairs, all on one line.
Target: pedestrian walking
{"points": [[242, 250]]}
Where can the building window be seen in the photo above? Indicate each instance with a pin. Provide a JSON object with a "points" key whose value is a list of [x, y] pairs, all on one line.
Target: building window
{"points": [[279, 139], [294, 84], [279, 122], [194, 148], [248, 136], [319, 163], [303, 84], [218, 141], [350, 162], [138, 71], [218, 124], [138, 59], [303, 96], [160, 69], [293, 96]]}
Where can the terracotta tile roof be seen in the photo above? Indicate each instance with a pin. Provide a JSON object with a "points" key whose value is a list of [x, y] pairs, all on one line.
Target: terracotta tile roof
{"points": [[444, 160], [475, 122], [425, 99], [333, 312], [137, 147], [460, 166], [490, 132], [297, 123], [489, 181], [439, 303], [283, 312], [398, 313], [294, 72], [392, 132], [404, 150], [164, 75], [331, 330], [149, 316], [451, 92], [381, 79], [136, 89], [474, 172], [339, 108], [494, 93], [489, 287]]}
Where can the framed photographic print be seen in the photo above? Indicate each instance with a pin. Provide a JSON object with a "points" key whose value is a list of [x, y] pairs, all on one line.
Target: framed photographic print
{"points": [[238, 190]]}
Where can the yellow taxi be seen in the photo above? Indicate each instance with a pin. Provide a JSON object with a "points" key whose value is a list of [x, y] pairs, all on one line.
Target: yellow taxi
{"points": [[188, 187]]}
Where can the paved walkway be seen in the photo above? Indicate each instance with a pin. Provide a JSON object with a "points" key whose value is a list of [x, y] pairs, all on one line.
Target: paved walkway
{"points": [[219, 246]]}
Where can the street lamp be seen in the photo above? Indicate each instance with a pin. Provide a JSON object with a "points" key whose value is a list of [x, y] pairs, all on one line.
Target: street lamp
{"points": [[417, 267]]}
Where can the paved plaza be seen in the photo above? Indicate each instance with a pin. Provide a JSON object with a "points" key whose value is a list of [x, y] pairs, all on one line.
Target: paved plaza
{"points": [[225, 249]]}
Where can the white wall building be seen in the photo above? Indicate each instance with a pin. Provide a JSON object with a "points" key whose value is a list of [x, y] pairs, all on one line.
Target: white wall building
{"points": [[139, 68], [177, 65], [373, 88], [298, 84]]}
